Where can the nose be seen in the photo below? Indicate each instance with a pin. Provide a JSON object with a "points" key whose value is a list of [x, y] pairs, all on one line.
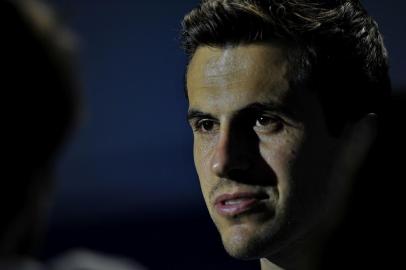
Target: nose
{"points": [[231, 154]]}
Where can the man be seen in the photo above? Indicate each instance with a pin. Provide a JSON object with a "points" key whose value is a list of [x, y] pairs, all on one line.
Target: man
{"points": [[284, 101]]}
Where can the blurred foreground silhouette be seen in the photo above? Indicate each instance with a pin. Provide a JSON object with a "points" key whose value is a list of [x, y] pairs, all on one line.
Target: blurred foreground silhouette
{"points": [[42, 104]]}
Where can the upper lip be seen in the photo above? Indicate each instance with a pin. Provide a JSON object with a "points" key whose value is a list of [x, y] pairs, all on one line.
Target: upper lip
{"points": [[239, 195]]}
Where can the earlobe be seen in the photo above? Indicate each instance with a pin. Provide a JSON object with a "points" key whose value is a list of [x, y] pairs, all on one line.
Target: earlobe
{"points": [[363, 134], [357, 141], [353, 148]]}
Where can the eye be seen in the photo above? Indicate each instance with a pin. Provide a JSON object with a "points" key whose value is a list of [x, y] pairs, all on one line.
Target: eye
{"points": [[268, 123], [205, 125], [263, 121]]}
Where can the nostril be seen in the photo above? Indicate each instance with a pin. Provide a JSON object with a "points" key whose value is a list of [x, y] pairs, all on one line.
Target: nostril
{"points": [[225, 165], [231, 154], [219, 165]]}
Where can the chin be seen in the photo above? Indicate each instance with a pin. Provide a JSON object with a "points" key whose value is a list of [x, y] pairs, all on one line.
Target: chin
{"points": [[246, 242]]}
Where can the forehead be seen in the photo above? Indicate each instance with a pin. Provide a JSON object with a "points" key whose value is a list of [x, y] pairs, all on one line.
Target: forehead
{"points": [[229, 78]]}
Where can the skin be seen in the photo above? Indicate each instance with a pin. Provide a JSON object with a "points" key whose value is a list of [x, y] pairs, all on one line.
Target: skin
{"points": [[254, 133]]}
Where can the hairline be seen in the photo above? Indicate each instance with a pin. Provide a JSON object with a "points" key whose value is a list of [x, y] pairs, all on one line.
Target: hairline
{"points": [[291, 50]]}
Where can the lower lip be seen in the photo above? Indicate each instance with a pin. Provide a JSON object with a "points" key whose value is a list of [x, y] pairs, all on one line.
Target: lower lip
{"points": [[242, 206]]}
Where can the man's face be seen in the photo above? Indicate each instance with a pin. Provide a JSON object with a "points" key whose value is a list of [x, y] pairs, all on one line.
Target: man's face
{"points": [[261, 149]]}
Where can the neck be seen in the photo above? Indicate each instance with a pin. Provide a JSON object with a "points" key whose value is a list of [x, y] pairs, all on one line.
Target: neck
{"points": [[310, 262], [294, 263], [302, 256], [268, 265]]}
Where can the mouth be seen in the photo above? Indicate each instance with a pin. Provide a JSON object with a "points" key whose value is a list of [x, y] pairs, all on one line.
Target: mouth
{"points": [[229, 205]]}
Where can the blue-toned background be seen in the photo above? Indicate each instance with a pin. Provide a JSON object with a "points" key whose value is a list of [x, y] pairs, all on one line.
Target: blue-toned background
{"points": [[126, 182]]}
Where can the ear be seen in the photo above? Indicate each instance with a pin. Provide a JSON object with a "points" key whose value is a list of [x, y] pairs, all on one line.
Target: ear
{"points": [[356, 142], [351, 153]]}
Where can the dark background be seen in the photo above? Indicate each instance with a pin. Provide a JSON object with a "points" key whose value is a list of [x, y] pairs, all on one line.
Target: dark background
{"points": [[126, 181]]}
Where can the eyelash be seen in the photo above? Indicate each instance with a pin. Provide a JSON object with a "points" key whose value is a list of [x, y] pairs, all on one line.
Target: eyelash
{"points": [[198, 125], [274, 124]]}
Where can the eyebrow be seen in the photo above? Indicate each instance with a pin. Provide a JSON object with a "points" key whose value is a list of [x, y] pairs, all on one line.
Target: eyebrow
{"points": [[254, 107], [193, 113], [270, 106]]}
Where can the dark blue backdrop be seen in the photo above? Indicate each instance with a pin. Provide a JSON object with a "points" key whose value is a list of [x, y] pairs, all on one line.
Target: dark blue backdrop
{"points": [[129, 167], [133, 152]]}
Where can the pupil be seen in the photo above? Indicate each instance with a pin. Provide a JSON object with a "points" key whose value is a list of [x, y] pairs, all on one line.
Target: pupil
{"points": [[263, 120], [207, 125]]}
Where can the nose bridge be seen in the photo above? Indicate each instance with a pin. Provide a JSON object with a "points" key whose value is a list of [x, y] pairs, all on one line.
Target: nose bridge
{"points": [[230, 153]]}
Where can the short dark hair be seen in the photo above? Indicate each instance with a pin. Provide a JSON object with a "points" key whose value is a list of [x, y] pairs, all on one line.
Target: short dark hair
{"points": [[341, 52]]}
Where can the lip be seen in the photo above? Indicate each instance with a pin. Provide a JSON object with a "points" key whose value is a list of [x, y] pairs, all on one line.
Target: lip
{"points": [[242, 202]]}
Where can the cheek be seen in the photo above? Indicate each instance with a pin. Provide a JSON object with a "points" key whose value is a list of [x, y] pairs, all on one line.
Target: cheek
{"points": [[202, 159], [281, 154], [281, 151], [202, 155]]}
